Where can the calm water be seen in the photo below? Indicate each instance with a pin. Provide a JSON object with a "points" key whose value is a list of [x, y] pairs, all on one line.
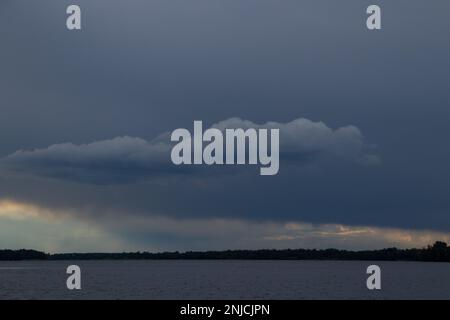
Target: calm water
{"points": [[224, 280]]}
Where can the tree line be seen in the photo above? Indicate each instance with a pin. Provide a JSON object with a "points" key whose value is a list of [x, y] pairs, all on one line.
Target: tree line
{"points": [[439, 252]]}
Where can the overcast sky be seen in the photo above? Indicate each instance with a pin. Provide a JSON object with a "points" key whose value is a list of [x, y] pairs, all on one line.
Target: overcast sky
{"points": [[364, 118]]}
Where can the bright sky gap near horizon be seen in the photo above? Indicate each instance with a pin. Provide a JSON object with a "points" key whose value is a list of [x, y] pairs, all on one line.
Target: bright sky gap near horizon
{"points": [[85, 117]]}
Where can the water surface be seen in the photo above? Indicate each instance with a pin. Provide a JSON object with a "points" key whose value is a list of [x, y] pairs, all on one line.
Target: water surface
{"points": [[217, 279]]}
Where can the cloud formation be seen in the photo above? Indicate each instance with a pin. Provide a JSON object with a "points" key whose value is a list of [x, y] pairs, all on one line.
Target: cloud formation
{"points": [[304, 139], [128, 159], [118, 160], [60, 231]]}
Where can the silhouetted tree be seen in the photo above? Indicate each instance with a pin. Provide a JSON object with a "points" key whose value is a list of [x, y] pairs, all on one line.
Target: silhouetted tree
{"points": [[439, 251]]}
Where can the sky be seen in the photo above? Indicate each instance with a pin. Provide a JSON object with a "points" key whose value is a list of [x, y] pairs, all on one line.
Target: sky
{"points": [[86, 118]]}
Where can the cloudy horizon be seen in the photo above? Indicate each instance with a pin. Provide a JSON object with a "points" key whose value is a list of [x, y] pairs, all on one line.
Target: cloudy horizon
{"points": [[87, 116]]}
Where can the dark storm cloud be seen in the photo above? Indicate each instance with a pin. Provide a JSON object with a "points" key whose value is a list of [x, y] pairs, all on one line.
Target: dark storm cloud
{"points": [[119, 160], [127, 159], [139, 68]]}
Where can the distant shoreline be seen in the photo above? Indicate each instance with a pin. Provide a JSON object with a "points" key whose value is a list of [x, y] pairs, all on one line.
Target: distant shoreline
{"points": [[438, 252]]}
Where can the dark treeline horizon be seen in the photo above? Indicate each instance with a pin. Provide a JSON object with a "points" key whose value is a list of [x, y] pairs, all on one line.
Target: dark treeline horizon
{"points": [[438, 252]]}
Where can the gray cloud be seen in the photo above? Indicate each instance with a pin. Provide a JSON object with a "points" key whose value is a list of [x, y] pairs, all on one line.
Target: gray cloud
{"points": [[127, 159], [118, 160], [303, 138], [169, 62]]}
